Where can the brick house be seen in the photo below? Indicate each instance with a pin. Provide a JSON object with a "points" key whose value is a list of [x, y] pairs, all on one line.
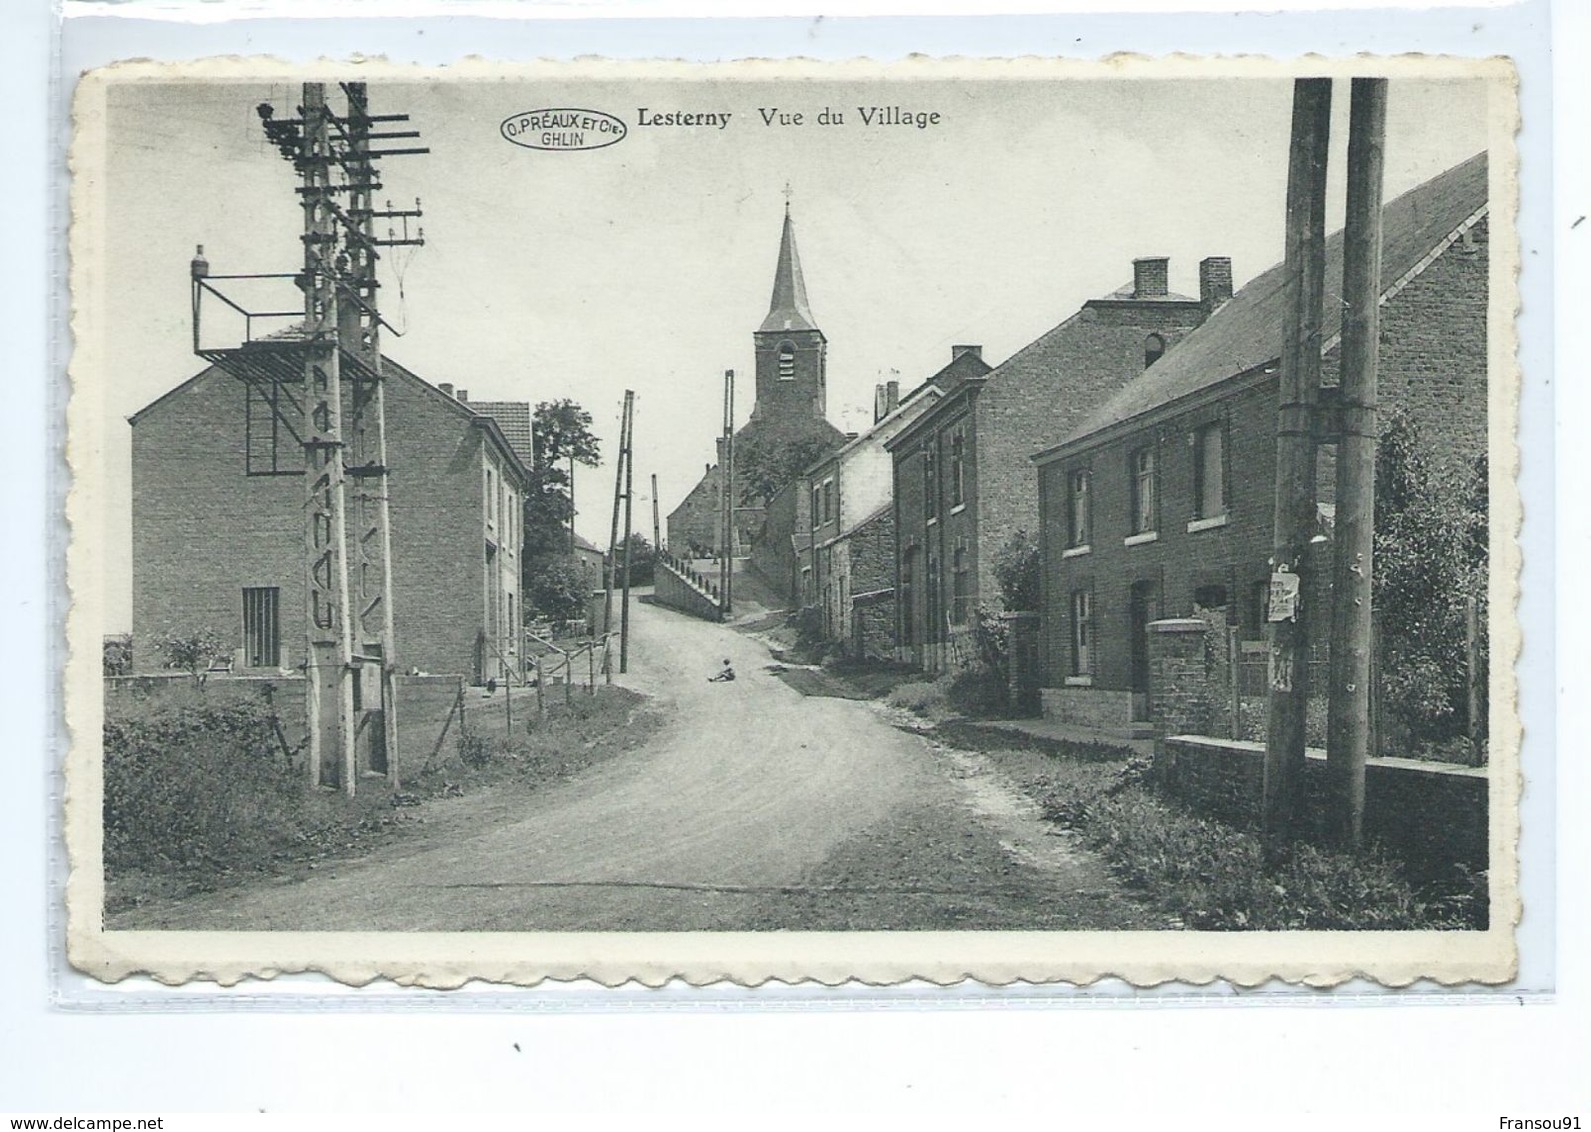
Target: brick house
{"points": [[218, 538], [791, 403], [1160, 503], [963, 479]]}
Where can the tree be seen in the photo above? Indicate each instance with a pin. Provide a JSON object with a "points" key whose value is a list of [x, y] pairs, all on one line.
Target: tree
{"points": [[560, 432], [764, 465], [642, 558], [1430, 560], [558, 588]]}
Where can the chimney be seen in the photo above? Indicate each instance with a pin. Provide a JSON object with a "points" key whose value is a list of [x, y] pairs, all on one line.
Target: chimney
{"points": [[958, 352], [1149, 277], [464, 394], [445, 387], [886, 399], [1215, 281]]}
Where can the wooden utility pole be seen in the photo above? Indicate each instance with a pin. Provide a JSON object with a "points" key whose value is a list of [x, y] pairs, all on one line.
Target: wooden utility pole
{"points": [[657, 524], [726, 567], [613, 530], [1348, 716], [629, 528], [1295, 516], [572, 547]]}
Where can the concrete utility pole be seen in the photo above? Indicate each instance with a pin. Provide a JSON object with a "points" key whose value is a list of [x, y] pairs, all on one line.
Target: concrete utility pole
{"points": [[1348, 732], [1295, 516], [348, 622], [328, 670], [629, 528]]}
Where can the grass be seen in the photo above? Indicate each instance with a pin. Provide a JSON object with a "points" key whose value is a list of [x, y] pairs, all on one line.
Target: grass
{"points": [[1213, 876], [198, 795]]}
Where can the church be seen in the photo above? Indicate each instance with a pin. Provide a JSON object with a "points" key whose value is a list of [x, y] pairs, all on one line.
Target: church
{"points": [[790, 409]]}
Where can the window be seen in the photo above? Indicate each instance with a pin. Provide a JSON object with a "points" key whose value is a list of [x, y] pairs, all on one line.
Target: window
{"points": [[958, 454], [262, 630], [1154, 349], [491, 497], [961, 586], [1144, 498], [934, 601], [1082, 633], [817, 504], [930, 484], [1077, 508], [786, 361], [828, 500], [1210, 597], [1209, 472], [270, 447]]}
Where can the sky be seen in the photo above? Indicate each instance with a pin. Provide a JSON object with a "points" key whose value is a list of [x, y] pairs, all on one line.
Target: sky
{"points": [[647, 264]]}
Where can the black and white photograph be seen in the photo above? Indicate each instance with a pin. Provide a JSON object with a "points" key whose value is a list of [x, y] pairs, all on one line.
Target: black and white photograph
{"points": [[799, 520]]}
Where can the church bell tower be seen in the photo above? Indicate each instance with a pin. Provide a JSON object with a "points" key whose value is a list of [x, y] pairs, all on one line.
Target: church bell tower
{"points": [[792, 391]]}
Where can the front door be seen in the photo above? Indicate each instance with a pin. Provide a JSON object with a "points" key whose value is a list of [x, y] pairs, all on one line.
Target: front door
{"points": [[1140, 611]]}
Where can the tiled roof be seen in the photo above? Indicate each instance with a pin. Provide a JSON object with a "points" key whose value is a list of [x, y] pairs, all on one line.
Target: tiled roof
{"points": [[513, 417], [1246, 332]]}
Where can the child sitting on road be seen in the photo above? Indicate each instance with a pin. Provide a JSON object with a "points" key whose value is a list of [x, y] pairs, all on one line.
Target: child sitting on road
{"points": [[726, 673]]}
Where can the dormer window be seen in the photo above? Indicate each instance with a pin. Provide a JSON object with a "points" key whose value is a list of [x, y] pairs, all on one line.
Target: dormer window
{"points": [[786, 361]]}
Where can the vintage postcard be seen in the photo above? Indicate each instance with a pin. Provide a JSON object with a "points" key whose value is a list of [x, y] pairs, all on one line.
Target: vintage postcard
{"points": [[998, 520]]}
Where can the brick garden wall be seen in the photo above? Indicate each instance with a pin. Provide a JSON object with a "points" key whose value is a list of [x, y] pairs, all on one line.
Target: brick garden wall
{"points": [[1431, 816]]}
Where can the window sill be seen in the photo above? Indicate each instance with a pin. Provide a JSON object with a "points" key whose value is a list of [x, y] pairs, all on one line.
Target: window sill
{"points": [[1140, 538], [1076, 551], [1214, 521], [932, 519], [1079, 681], [958, 508]]}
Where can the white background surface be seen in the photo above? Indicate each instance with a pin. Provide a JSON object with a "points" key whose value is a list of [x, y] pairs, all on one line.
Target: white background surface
{"points": [[1520, 1055]]}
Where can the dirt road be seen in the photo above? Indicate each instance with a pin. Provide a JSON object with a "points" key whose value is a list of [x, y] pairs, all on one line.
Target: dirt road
{"points": [[754, 807]]}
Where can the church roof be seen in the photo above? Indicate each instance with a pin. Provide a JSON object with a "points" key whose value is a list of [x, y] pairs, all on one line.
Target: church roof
{"points": [[788, 309]]}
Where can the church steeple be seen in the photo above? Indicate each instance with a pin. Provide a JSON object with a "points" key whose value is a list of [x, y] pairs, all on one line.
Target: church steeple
{"points": [[788, 309], [792, 387]]}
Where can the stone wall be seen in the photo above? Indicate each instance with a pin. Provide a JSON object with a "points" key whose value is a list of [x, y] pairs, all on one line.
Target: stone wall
{"points": [[679, 587]]}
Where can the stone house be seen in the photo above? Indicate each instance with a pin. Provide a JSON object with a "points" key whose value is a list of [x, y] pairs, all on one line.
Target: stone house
{"points": [[963, 478], [1159, 505], [850, 510], [218, 527]]}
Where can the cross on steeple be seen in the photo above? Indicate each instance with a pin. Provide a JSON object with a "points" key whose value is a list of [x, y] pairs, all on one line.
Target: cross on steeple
{"points": [[788, 192]]}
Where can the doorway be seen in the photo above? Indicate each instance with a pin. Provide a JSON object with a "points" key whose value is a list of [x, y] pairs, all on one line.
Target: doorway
{"points": [[1140, 611]]}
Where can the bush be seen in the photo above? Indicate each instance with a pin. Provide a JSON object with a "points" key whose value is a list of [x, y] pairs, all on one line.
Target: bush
{"points": [[196, 779], [1016, 570], [977, 691], [1213, 875], [118, 654], [930, 700], [192, 650]]}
